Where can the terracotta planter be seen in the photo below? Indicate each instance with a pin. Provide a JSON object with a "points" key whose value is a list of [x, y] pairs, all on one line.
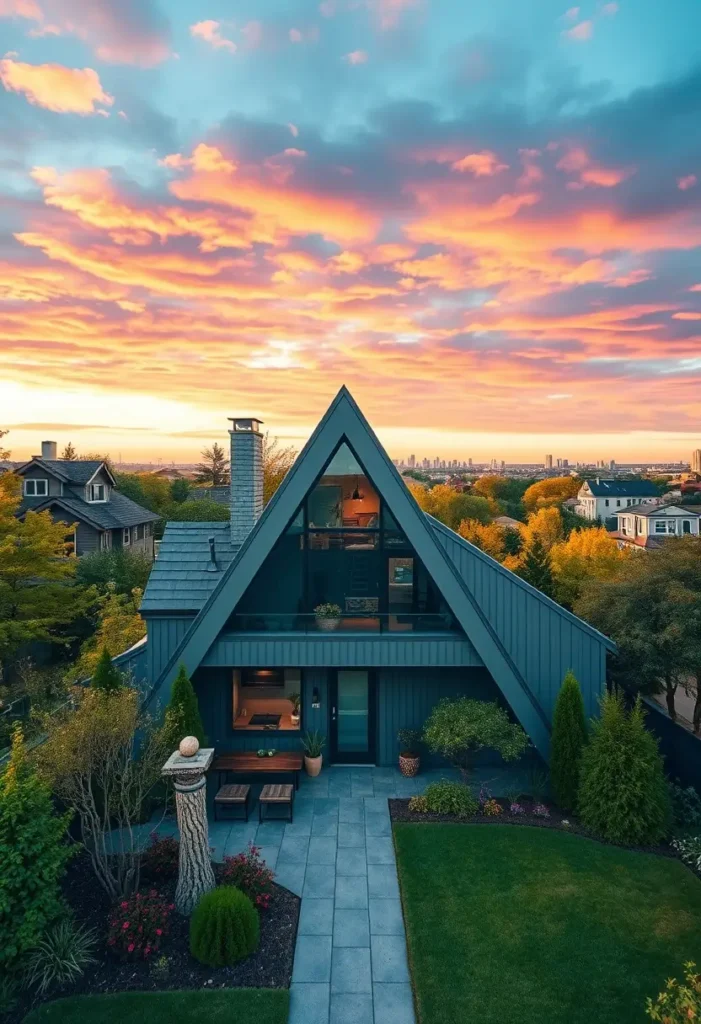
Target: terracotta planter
{"points": [[313, 765], [409, 765], [328, 625]]}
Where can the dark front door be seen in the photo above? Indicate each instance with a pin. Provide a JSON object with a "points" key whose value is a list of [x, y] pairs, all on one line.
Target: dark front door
{"points": [[352, 733]]}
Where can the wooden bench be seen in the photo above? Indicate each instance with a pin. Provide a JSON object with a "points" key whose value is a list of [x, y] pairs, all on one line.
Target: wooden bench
{"points": [[245, 763], [232, 795], [276, 795]]}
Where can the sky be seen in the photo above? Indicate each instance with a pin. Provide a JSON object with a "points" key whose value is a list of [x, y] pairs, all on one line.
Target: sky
{"points": [[484, 219]]}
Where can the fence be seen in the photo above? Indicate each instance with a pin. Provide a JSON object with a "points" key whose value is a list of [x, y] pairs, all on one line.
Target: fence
{"points": [[681, 749]]}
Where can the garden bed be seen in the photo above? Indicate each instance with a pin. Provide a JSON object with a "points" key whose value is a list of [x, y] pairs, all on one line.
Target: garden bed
{"points": [[269, 967], [399, 812]]}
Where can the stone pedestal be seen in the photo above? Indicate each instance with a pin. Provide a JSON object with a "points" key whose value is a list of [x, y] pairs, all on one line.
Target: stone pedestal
{"points": [[195, 874]]}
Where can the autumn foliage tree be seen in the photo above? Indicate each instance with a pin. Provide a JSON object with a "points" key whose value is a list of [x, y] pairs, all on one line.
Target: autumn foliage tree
{"points": [[119, 627], [551, 492], [277, 462], [585, 555], [490, 538], [450, 506]]}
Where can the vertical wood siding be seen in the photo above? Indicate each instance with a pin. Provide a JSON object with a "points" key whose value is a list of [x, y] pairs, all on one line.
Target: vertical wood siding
{"points": [[164, 635], [343, 651], [542, 640]]}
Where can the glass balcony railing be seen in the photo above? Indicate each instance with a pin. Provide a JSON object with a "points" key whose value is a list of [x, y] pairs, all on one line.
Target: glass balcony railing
{"points": [[355, 622]]}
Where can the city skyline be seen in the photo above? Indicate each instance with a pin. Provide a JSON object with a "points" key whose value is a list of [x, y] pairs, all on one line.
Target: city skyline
{"points": [[486, 222]]}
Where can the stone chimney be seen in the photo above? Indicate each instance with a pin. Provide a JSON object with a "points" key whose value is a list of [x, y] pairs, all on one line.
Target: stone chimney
{"points": [[48, 450], [246, 476]]}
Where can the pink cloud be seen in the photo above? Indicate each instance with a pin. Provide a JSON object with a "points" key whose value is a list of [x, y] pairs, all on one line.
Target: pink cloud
{"points": [[55, 87], [686, 316], [687, 182], [581, 32], [483, 164], [294, 130], [356, 57], [20, 9], [610, 9], [295, 35], [389, 12], [210, 32], [252, 33], [577, 161]]}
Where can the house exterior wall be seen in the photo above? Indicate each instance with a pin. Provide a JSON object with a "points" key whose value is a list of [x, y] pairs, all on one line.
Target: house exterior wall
{"points": [[404, 698], [37, 473], [87, 537], [138, 545], [164, 635]]}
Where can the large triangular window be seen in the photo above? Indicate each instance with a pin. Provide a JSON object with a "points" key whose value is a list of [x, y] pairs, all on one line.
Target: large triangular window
{"points": [[343, 565]]}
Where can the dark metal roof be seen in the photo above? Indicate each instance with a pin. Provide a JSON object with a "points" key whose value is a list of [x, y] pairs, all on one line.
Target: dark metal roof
{"points": [[622, 488], [117, 513], [181, 579]]}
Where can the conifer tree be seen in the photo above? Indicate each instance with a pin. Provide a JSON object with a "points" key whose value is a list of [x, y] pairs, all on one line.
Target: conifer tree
{"points": [[536, 568], [569, 738], [183, 709], [106, 676]]}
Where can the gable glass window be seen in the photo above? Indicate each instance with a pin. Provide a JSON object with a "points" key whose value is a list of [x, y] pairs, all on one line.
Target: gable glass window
{"points": [[265, 699], [97, 492], [36, 488], [343, 564]]}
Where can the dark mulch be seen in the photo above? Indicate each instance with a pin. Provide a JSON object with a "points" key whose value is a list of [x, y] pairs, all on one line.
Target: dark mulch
{"points": [[399, 811], [269, 967]]}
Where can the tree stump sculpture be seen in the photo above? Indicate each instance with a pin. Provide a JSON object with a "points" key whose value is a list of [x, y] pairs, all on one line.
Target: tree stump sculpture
{"points": [[195, 874]]}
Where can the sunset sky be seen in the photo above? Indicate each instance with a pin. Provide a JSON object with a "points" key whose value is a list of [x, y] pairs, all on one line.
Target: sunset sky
{"points": [[484, 218]]}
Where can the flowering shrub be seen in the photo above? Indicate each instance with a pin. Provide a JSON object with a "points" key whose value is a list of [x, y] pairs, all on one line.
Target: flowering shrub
{"points": [[678, 1002], [447, 797], [541, 811], [418, 804], [689, 849], [162, 856], [251, 875], [492, 808], [517, 808], [137, 925]]}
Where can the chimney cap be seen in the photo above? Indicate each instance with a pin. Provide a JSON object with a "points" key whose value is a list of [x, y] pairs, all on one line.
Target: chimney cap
{"points": [[245, 424]]}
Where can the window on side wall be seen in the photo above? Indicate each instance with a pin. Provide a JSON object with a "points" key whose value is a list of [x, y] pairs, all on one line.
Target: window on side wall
{"points": [[267, 700], [126, 537], [36, 488]]}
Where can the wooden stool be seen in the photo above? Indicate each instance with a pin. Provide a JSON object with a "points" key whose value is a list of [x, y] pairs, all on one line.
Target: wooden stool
{"points": [[276, 795], [232, 796]]}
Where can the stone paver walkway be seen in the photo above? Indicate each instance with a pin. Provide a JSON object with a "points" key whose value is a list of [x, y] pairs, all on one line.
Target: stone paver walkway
{"points": [[350, 963]]}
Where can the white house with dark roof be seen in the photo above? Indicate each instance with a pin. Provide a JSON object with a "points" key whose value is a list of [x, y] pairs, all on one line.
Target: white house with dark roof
{"points": [[83, 492], [649, 526], [600, 499]]}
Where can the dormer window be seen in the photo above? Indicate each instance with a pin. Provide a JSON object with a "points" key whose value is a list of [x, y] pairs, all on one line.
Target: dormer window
{"points": [[36, 488], [97, 492]]}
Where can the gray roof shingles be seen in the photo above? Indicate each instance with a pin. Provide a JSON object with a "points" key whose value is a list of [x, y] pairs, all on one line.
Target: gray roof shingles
{"points": [[114, 514], [623, 488], [180, 580]]}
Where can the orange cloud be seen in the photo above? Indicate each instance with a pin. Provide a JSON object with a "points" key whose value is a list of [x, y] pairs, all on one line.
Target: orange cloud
{"points": [[20, 9], [483, 164], [54, 87], [577, 161], [210, 32], [686, 316]]}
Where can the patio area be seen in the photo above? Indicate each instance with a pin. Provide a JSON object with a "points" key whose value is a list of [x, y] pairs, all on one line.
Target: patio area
{"points": [[350, 958]]}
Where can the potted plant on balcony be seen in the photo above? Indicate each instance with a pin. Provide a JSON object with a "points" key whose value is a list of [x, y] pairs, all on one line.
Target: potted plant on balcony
{"points": [[295, 700], [409, 753], [328, 616], [313, 743]]}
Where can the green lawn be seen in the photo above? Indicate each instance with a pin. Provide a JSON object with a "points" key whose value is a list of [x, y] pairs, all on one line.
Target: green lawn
{"points": [[223, 1006], [523, 925]]}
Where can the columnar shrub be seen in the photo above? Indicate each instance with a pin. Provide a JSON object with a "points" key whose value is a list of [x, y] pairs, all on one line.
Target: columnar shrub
{"points": [[137, 925], [33, 856], [249, 873], [623, 792], [184, 709], [106, 675], [224, 927], [569, 738]]}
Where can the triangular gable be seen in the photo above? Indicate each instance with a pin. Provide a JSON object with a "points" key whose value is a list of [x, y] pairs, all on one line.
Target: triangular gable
{"points": [[66, 506], [344, 420]]}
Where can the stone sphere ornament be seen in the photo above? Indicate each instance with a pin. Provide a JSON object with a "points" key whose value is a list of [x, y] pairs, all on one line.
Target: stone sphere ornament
{"points": [[189, 746]]}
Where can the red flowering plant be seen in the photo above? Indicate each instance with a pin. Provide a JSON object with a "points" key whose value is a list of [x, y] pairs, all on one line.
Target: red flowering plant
{"points": [[137, 925], [251, 875], [161, 857]]}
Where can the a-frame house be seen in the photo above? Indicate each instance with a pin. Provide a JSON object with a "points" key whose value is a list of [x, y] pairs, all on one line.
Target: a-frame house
{"points": [[343, 598]]}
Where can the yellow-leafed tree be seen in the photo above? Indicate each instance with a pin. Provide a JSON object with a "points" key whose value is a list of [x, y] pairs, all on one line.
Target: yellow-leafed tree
{"points": [[585, 555], [119, 627], [545, 525], [489, 538], [547, 493]]}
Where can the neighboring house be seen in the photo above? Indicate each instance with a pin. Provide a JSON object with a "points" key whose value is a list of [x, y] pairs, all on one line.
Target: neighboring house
{"points": [[6, 466], [599, 499], [219, 495], [82, 492], [508, 523], [420, 613], [646, 526]]}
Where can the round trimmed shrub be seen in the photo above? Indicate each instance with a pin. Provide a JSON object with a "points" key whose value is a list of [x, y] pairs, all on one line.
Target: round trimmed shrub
{"points": [[224, 927], [447, 797]]}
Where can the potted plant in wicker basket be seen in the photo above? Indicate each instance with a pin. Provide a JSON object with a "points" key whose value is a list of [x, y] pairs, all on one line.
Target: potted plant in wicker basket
{"points": [[313, 744], [328, 616], [409, 753]]}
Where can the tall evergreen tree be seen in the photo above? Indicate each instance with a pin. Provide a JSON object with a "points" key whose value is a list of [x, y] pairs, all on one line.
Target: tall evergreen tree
{"points": [[69, 453], [536, 568], [106, 676], [214, 468], [569, 737], [183, 709]]}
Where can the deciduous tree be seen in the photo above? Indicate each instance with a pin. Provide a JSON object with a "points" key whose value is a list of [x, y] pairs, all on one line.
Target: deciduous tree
{"points": [[277, 462], [546, 525], [585, 555], [119, 627], [547, 493], [450, 506], [490, 538]]}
